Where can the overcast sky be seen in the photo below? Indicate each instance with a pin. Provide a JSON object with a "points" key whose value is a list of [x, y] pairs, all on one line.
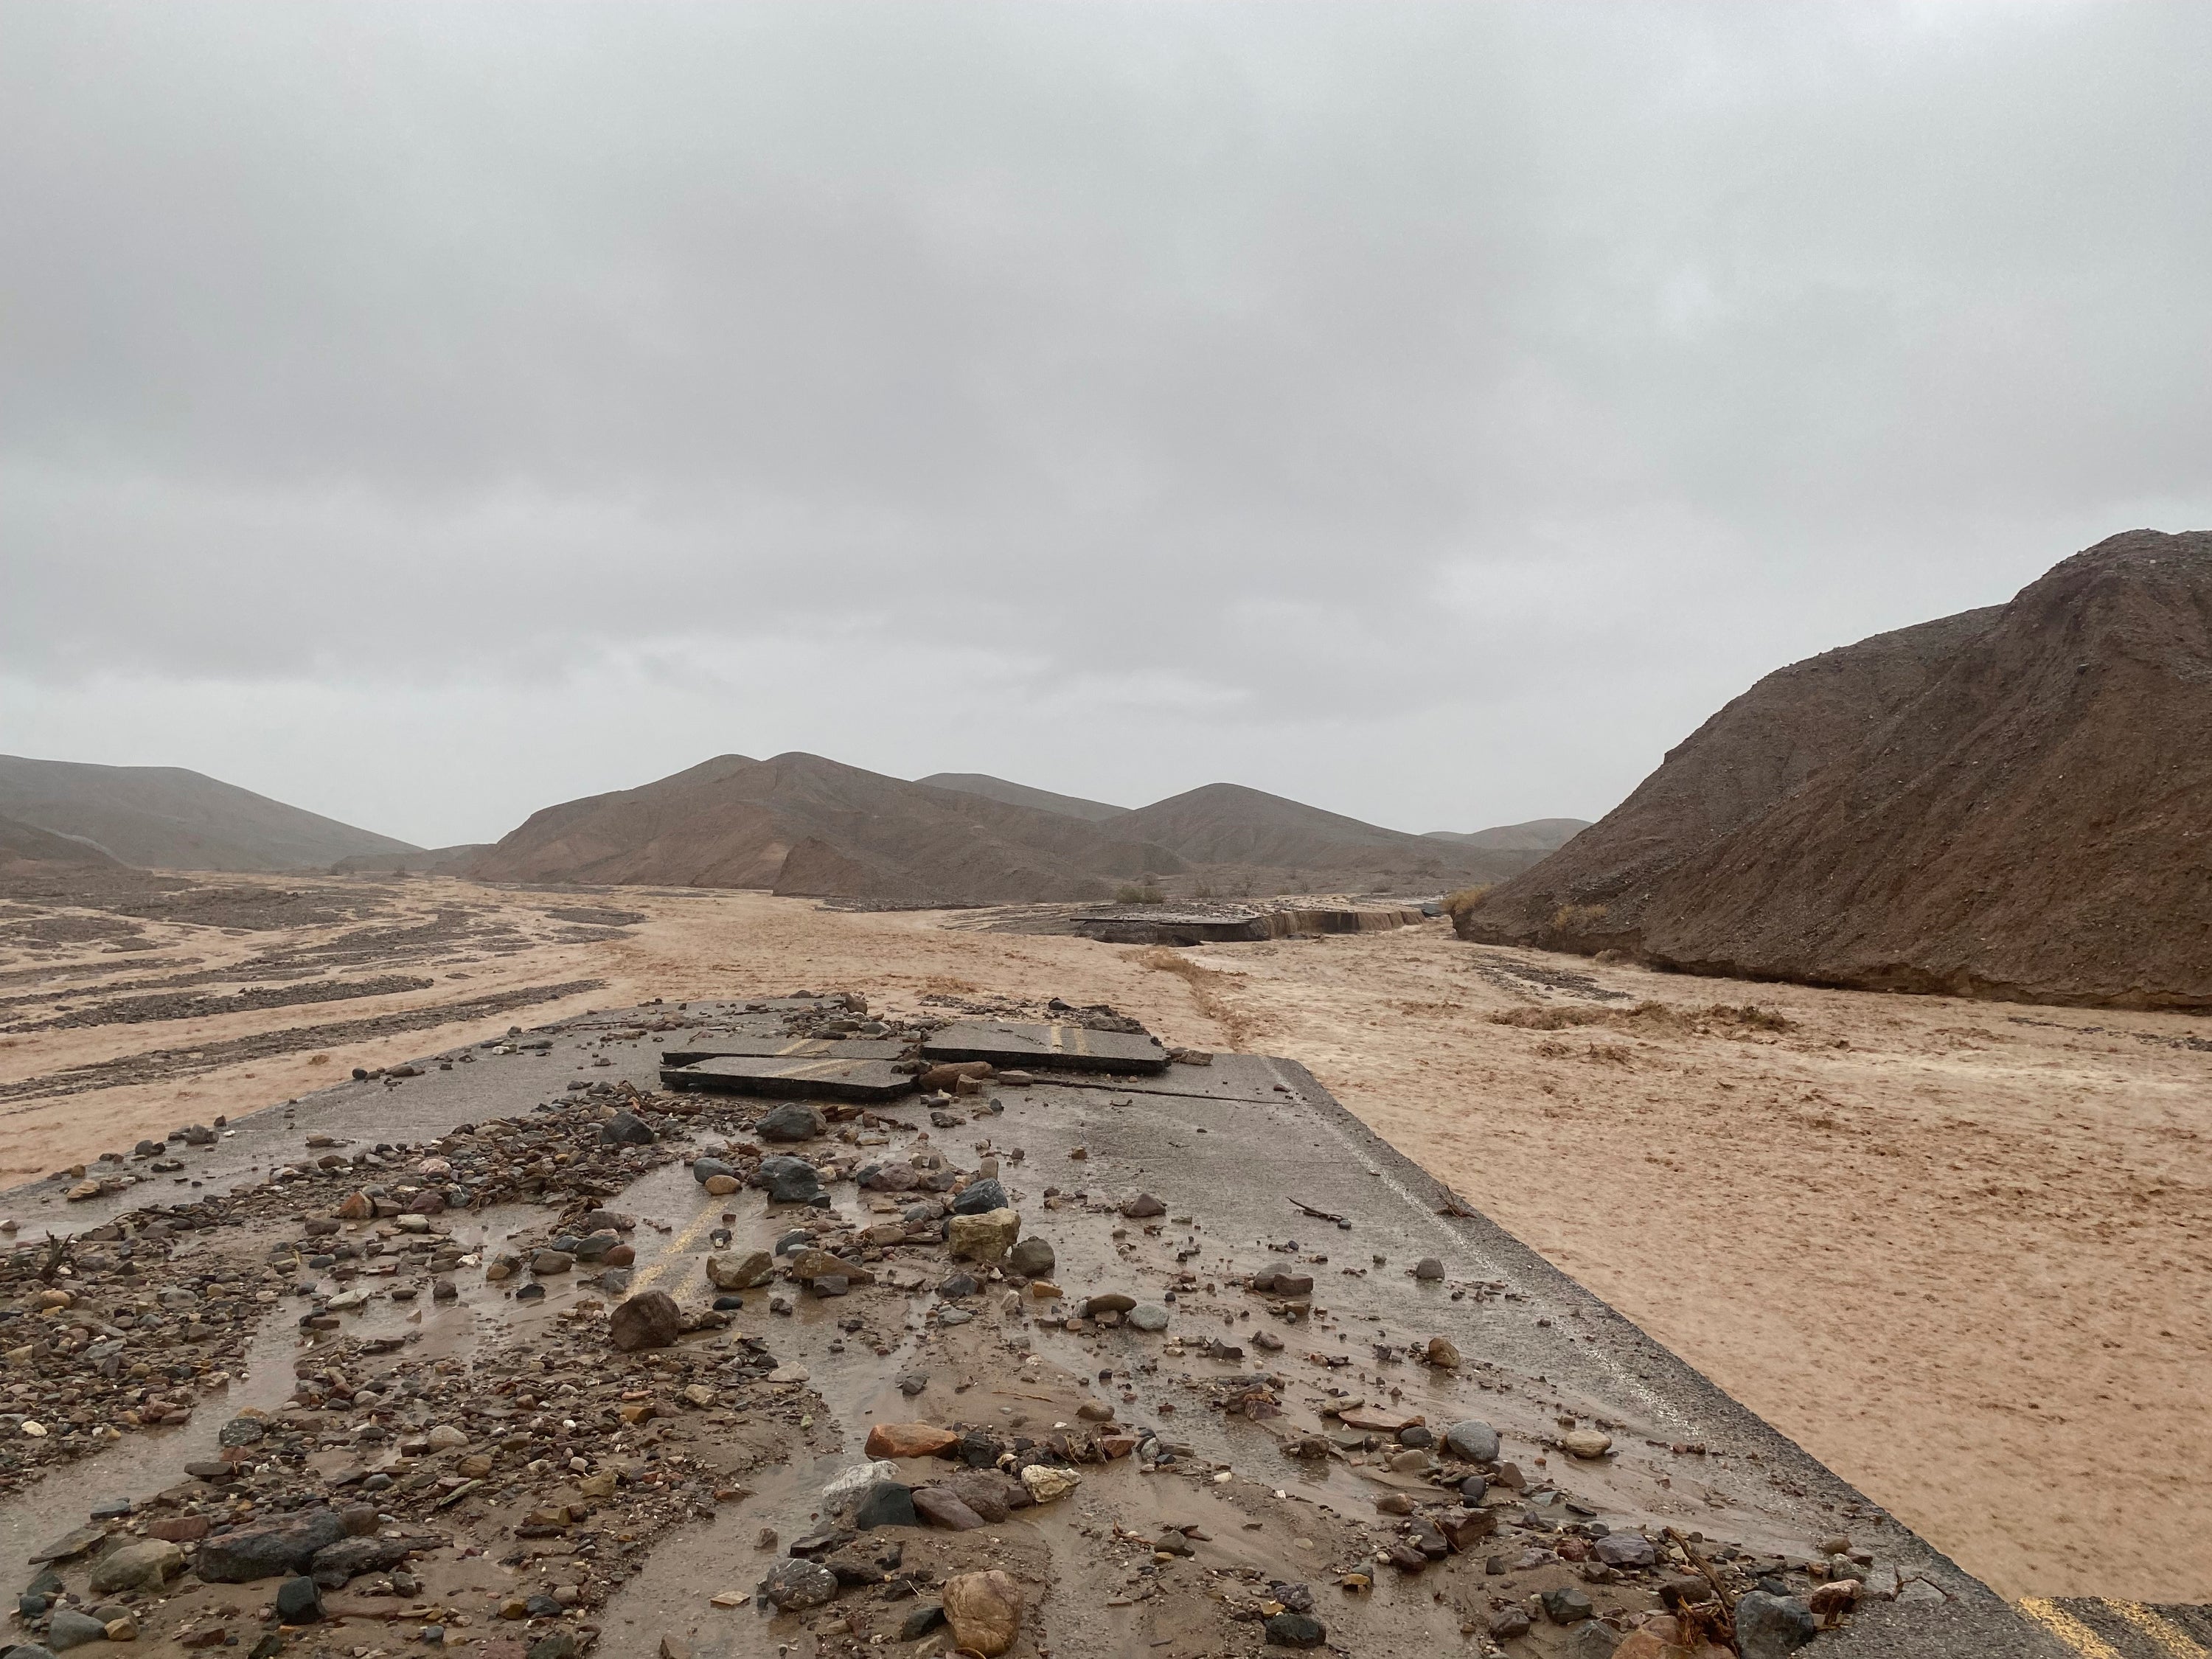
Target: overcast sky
{"points": [[423, 415]]}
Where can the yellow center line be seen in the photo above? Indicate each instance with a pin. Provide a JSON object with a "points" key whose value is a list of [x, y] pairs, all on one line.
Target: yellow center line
{"points": [[671, 1251], [2176, 1642], [2068, 1629]]}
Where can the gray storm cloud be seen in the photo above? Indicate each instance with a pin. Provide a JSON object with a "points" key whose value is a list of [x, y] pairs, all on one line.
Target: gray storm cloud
{"points": [[425, 413]]}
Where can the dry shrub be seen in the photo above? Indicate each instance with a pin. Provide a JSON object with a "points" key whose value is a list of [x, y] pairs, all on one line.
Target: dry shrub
{"points": [[1466, 899], [1576, 918]]}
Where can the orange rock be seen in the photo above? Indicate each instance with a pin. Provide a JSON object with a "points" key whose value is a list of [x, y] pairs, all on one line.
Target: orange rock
{"points": [[909, 1440]]}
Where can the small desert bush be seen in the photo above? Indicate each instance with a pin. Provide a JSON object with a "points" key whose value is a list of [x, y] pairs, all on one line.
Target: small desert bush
{"points": [[1576, 918], [1146, 894], [1466, 899]]}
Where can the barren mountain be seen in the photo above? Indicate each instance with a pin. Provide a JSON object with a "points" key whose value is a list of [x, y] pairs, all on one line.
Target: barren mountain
{"points": [[2012, 802], [801, 824], [1249, 835], [166, 818], [1537, 835], [1020, 794]]}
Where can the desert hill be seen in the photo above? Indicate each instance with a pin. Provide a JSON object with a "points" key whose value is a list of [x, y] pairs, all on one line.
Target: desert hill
{"points": [[1536, 836], [2013, 802], [801, 824], [1020, 794], [1248, 835], [26, 843], [167, 817]]}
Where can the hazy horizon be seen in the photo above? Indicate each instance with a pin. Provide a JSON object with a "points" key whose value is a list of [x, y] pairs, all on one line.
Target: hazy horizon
{"points": [[422, 414]]}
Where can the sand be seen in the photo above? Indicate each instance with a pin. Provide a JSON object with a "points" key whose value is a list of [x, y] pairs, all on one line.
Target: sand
{"points": [[1957, 1250]]}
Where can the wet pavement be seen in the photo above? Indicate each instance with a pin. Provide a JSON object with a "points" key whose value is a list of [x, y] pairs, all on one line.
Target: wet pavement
{"points": [[1254, 1169]]}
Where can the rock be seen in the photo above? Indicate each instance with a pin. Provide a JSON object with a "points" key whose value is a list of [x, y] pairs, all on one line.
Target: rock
{"points": [[280, 1547], [807, 1265], [1770, 1626], [1044, 1482], [1143, 1207], [721, 1186], [790, 1180], [71, 1629], [1428, 1267], [1509, 1624], [920, 1620], [1032, 1258], [334, 1564], [939, 1506], [980, 1198], [1112, 1302], [552, 1261], [794, 1119], [704, 1169], [796, 1585], [909, 1440], [650, 1319], [1148, 1317], [985, 1237], [71, 1544], [446, 1438], [1296, 1629], [732, 1272], [1830, 1600], [1627, 1549], [1587, 1443], [299, 1602], [1442, 1352], [985, 1611], [885, 1504], [143, 1566], [1591, 1640], [626, 1129], [1567, 1606]]}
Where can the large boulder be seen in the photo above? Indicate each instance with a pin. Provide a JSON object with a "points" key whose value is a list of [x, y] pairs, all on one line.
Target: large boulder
{"points": [[143, 1566], [979, 1197], [794, 1120], [650, 1319], [985, 1611], [728, 1271], [285, 1546], [1772, 1627], [790, 1180], [985, 1237]]}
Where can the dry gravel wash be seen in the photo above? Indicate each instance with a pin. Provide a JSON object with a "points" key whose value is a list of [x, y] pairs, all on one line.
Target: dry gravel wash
{"points": [[1961, 1260]]}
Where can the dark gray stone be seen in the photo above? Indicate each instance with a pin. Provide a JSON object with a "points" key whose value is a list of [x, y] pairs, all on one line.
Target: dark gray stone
{"points": [[790, 1180], [1627, 1549], [1475, 1441], [300, 1601], [1770, 1626], [981, 1198], [335, 1564], [1032, 1258], [886, 1503], [650, 1319], [287, 1546], [71, 1629], [1297, 1630], [794, 1119], [920, 1620], [796, 1585], [627, 1129], [1567, 1606]]}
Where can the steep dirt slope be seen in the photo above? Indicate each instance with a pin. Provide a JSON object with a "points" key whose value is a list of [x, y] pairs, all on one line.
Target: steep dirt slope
{"points": [[166, 818], [1536, 836], [1020, 794], [800, 824], [1230, 828], [2013, 802]]}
